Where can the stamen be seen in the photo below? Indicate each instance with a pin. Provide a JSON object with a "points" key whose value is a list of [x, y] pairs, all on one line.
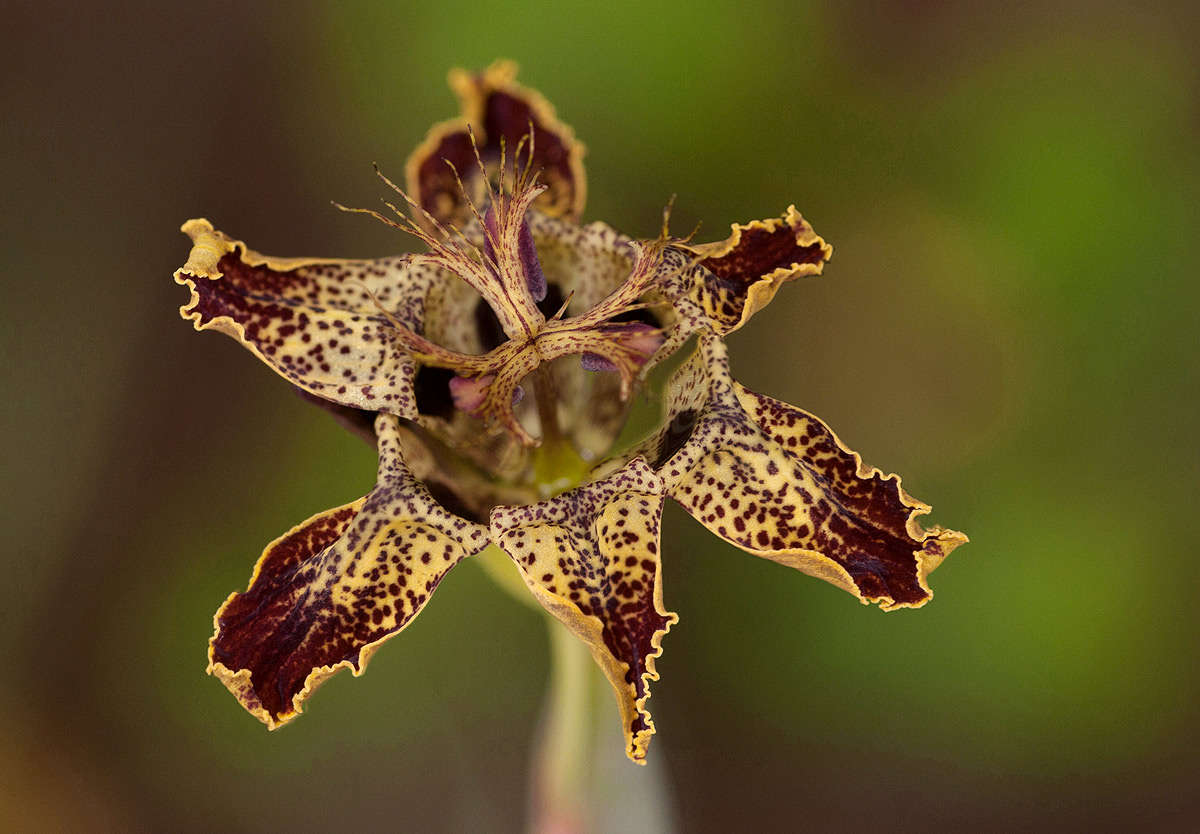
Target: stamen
{"points": [[503, 164], [524, 174], [407, 226], [565, 305], [518, 172], [502, 264], [490, 273], [501, 202], [666, 224], [448, 247], [411, 202], [489, 248], [451, 246], [483, 168], [665, 234]]}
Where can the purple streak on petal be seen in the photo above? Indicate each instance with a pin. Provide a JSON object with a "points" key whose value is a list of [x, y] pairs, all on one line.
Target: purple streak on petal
{"points": [[518, 394], [535, 279], [529, 261], [596, 362]]}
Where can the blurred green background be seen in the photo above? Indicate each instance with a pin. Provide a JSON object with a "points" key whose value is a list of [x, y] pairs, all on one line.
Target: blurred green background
{"points": [[1010, 321]]}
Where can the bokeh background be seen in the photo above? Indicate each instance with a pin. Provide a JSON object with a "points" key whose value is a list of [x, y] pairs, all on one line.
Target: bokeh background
{"points": [[1009, 321]]}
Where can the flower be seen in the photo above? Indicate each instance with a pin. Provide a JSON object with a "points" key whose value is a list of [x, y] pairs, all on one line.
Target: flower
{"points": [[430, 356]]}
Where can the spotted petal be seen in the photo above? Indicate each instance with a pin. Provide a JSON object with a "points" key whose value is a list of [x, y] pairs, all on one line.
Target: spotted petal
{"points": [[590, 557], [316, 322], [776, 482], [739, 276], [497, 109], [325, 595]]}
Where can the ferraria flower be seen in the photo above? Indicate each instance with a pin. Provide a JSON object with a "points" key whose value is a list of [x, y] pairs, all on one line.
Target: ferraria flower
{"points": [[494, 371]]}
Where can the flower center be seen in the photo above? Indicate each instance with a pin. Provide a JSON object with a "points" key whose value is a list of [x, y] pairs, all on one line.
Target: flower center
{"points": [[497, 257], [525, 330]]}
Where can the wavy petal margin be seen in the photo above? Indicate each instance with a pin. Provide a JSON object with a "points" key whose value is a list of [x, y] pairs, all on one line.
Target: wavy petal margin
{"points": [[776, 482], [314, 321], [325, 595], [742, 273], [591, 558], [496, 108]]}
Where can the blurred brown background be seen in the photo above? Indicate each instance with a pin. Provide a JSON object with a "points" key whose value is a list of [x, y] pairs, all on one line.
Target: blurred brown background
{"points": [[1009, 321]]}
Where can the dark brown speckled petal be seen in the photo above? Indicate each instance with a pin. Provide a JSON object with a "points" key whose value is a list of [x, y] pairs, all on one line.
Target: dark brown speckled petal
{"points": [[313, 321], [591, 558], [777, 482], [496, 108], [739, 276], [325, 595]]}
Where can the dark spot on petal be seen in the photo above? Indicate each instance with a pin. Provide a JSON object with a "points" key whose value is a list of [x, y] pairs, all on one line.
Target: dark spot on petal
{"points": [[643, 315], [676, 435], [553, 300], [487, 324], [432, 389], [449, 499]]}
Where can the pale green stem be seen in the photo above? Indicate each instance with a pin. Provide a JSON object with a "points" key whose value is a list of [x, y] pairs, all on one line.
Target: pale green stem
{"points": [[581, 782], [563, 752], [560, 801]]}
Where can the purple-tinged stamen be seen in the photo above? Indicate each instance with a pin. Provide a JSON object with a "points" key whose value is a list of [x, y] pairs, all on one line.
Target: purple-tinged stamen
{"points": [[642, 339], [529, 260], [469, 393], [596, 362], [535, 279]]}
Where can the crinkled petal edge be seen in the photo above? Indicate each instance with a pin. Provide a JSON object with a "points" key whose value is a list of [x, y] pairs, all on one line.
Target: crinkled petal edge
{"points": [[239, 683]]}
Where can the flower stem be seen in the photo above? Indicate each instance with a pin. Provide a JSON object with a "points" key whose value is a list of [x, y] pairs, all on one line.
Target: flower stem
{"points": [[581, 782], [545, 392], [561, 768]]}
